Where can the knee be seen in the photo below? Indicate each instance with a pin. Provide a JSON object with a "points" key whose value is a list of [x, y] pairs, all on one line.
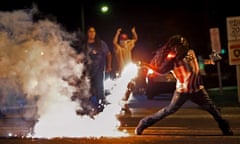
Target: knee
{"points": [[210, 107], [170, 109]]}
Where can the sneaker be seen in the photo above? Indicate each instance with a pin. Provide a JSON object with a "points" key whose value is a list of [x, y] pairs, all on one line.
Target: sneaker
{"points": [[227, 132], [104, 102], [100, 108], [126, 111], [225, 127], [140, 128]]}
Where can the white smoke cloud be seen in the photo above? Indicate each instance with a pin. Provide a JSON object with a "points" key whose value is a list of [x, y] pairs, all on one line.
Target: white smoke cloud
{"points": [[38, 62], [37, 56]]}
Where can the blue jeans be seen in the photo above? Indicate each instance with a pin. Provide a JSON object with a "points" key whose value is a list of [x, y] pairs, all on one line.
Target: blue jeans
{"points": [[201, 98]]}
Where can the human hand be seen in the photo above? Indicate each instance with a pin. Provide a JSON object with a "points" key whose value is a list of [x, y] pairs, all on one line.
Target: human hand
{"points": [[109, 69], [119, 30], [133, 30]]}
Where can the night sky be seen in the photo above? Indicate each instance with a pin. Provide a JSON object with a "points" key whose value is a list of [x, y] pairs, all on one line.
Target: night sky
{"points": [[154, 20]]}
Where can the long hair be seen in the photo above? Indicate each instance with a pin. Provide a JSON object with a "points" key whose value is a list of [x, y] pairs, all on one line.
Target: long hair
{"points": [[173, 50], [97, 41]]}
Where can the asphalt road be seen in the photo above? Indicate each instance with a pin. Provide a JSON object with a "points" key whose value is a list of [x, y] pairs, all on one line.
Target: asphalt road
{"points": [[189, 125]]}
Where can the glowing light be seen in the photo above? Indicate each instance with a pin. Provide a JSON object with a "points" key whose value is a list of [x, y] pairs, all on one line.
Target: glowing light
{"points": [[150, 71], [104, 8], [130, 70], [171, 55]]}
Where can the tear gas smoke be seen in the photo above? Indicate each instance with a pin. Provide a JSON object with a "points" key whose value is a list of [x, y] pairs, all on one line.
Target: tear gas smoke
{"points": [[38, 63]]}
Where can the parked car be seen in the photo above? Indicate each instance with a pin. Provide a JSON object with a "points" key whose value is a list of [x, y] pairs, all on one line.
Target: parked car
{"points": [[166, 84], [159, 84]]}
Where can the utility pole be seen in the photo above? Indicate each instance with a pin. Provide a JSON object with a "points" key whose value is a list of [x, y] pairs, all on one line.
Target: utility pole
{"points": [[82, 18]]}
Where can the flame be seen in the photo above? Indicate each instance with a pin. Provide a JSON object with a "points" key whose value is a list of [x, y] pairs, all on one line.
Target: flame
{"points": [[171, 55]]}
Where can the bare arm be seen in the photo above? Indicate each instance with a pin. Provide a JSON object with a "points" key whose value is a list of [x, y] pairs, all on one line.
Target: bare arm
{"points": [[115, 39], [134, 33], [134, 38]]}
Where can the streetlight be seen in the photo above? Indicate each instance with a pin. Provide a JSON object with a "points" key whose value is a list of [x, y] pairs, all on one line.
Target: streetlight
{"points": [[82, 18], [102, 8]]}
